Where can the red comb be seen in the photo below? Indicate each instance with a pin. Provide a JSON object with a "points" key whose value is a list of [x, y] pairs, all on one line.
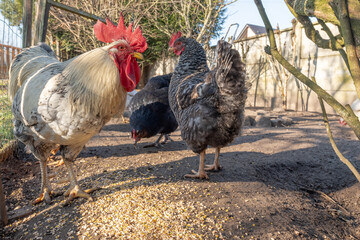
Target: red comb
{"points": [[109, 33], [173, 38]]}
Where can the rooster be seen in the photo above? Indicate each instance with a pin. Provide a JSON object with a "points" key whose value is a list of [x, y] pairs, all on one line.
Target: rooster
{"points": [[66, 103], [208, 105], [151, 113]]}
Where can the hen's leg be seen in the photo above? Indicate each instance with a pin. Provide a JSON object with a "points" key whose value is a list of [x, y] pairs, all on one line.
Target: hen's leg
{"points": [[156, 143], [41, 155], [167, 137], [46, 190], [45, 186], [216, 165], [74, 190], [201, 173]]}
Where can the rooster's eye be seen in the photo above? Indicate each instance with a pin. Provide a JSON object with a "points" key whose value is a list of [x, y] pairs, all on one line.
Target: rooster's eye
{"points": [[121, 48]]}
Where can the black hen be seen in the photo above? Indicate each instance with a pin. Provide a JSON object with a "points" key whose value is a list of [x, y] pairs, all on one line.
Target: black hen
{"points": [[208, 105], [150, 111]]}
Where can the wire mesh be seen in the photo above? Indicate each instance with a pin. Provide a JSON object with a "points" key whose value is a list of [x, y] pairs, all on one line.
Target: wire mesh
{"points": [[10, 43]]}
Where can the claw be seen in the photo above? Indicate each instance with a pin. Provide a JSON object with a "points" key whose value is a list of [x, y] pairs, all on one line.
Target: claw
{"points": [[76, 192], [46, 195], [213, 167], [53, 153], [39, 199], [57, 163], [200, 175], [60, 162]]}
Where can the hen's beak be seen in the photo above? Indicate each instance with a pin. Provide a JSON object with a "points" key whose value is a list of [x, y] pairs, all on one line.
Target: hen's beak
{"points": [[138, 55], [171, 49]]}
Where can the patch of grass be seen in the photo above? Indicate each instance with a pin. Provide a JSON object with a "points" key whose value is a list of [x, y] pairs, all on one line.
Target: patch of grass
{"points": [[6, 124]]}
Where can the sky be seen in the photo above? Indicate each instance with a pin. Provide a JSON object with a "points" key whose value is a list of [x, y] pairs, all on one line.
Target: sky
{"points": [[245, 12], [242, 12], [9, 35]]}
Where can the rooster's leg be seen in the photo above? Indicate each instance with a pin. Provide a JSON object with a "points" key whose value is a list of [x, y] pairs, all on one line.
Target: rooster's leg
{"points": [[156, 143], [201, 173], [216, 165], [74, 190], [46, 190]]}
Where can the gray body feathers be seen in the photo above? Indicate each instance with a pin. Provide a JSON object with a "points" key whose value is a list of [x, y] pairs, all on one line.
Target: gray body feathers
{"points": [[208, 105]]}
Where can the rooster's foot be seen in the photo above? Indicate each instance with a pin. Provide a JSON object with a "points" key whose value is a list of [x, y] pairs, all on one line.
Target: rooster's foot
{"points": [[76, 192], [200, 175], [45, 195], [213, 167]]}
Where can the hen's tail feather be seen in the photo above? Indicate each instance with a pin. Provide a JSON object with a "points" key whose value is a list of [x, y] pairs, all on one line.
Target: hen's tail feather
{"points": [[26, 63], [230, 77]]}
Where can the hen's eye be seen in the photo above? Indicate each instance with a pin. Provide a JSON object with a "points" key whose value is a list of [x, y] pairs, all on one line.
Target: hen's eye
{"points": [[121, 48]]}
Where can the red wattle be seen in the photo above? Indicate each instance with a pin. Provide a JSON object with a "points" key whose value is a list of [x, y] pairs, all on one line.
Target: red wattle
{"points": [[129, 73]]}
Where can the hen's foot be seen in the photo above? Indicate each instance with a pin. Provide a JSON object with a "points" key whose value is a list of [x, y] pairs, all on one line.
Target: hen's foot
{"points": [[57, 163], [125, 120], [53, 153], [60, 163], [77, 192], [153, 145], [45, 195], [213, 167], [200, 175]]}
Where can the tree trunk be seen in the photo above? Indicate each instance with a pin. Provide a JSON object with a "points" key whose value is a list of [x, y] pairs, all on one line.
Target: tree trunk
{"points": [[27, 23]]}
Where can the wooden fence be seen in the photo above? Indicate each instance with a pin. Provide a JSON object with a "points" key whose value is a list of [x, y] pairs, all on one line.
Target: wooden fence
{"points": [[7, 54]]}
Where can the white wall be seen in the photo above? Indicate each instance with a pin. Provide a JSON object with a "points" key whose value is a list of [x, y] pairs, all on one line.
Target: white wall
{"points": [[325, 65]]}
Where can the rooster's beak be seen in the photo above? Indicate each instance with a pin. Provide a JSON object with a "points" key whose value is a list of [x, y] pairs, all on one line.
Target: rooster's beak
{"points": [[171, 49], [138, 55]]}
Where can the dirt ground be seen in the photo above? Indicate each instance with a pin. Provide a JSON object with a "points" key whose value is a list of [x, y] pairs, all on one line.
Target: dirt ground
{"points": [[276, 183]]}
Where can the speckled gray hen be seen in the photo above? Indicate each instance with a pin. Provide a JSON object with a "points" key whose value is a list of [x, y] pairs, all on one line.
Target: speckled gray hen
{"points": [[208, 105]]}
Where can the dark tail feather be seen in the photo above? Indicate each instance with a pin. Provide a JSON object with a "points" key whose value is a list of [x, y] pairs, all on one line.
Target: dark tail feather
{"points": [[230, 78]]}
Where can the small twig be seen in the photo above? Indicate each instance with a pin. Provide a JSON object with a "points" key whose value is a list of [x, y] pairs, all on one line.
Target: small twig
{"points": [[327, 197]]}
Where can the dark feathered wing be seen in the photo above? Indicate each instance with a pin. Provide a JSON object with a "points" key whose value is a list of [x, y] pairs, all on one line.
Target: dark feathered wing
{"points": [[230, 78], [145, 97], [150, 110], [155, 90], [158, 82]]}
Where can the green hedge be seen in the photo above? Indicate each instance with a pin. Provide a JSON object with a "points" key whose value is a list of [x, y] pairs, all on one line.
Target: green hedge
{"points": [[6, 124]]}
